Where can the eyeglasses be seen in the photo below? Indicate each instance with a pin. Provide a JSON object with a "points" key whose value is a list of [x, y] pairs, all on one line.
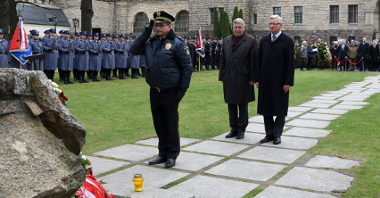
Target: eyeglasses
{"points": [[160, 25], [273, 23], [238, 27]]}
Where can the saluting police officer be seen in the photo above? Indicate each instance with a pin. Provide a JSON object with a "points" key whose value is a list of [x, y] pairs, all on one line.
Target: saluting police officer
{"points": [[49, 46], [4, 50], [168, 74]]}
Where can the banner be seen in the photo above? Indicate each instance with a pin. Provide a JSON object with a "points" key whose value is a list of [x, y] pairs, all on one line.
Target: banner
{"points": [[19, 45], [199, 47]]}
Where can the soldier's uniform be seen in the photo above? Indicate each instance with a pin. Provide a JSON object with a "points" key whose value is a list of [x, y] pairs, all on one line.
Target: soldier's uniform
{"points": [[116, 44], [36, 46], [50, 48], [81, 53], [120, 57], [95, 57], [127, 56], [75, 61], [4, 51], [134, 61], [214, 47], [208, 52], [89, 39], [65, 49], [108, 60]]}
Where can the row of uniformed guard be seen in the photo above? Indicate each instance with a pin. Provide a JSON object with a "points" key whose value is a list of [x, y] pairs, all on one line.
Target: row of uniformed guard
{"points": [[86, 53], [212, 50]]}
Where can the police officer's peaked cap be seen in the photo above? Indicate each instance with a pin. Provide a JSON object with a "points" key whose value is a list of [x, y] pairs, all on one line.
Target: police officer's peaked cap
{"points": [[134, 37], [66, 32], [103, 35], [35, 33], [31, 31], [1, 31], [61, 31], [96, 34], [82, 33], [109, 35], [207, 38], [122, 35], [77, 34], [127, 37], [115, 36], [46, 31], [89, 34], [163, 17], [52, 30]]}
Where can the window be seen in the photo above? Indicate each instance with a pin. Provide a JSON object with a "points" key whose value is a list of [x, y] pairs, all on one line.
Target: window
{"points": [[140, 20], [332, 39], [277, 10], [352, 13], [212, 16], [334, 14], [298, 14], [182, 22], [255, 19]]}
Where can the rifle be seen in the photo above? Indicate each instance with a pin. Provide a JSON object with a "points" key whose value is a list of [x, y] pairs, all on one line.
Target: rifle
{"points": [[85, 47], [125, 45], [100, 46], [112, 46], [53, 45], [70, 47]]}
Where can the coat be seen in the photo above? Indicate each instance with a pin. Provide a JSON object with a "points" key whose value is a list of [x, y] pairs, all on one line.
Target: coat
{"points": [[81, 53], [237, 69], [374, 53], [50, 48], [64, 54], [274, 70], [36, 46], [4, 54], [108, 56], [95, 62], [120, 59], [342, 51], [352, 51], [363, 50]]}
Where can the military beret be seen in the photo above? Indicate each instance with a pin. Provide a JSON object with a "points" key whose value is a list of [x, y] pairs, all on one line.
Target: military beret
{"points": [[163, 17]]}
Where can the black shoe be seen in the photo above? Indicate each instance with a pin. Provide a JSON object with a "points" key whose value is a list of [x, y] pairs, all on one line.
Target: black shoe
{"points": [[170, 163], [266, 139], [158, 160], [240, 135], [276, 140], [231, 134]]}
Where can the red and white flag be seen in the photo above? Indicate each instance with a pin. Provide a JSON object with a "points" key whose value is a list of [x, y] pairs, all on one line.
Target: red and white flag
{"points": [[19, 47], [199, 47]]}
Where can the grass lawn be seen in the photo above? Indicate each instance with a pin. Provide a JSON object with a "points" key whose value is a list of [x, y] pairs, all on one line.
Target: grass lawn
{"points": [[118, 112]]}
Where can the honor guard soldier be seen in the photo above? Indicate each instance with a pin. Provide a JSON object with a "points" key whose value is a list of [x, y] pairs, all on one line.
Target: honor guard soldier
{"points": [[4, 51], [89, 39], [50, 48], [168, 74], [31, 34], [120, 58], [127, 56], [36, 45], [61, 35], [64, 49], [81, 51], [102, 40], [95, 57], [208, 53], [71, 54], [108, 57], [115, 41], [134, 61], [46, 32]]}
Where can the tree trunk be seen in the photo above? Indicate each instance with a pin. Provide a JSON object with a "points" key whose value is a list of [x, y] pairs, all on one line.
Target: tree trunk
{"points": [[87, 14], [8, 19]]}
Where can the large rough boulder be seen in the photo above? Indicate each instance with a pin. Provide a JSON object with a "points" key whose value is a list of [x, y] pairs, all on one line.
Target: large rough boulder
{"points": [[39, 139]]}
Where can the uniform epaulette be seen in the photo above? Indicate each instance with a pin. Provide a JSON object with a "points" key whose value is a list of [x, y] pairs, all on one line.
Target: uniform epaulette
{"points": [[180, 38]]}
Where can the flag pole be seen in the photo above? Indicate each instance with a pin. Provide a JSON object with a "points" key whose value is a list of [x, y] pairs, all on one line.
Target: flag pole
{"points": [[199, 63], [20, 66]]}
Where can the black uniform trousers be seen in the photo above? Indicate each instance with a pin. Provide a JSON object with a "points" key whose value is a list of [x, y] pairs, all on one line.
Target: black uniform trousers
{"points": [[238, 123], [274, 128], [164, 109]]}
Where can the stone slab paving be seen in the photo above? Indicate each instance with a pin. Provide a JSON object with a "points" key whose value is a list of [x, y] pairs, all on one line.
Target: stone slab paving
{"points": [[129, 152], [258, 171], [322, 161], [193, 161], [100, 165], [309, 123], [249, 138], [319, 116], [121, 182], [272, 154], [275, 191], [294, 143], [216, 148], [211, 187], [228, 167], [315, 179], [330, 111], [154, 141], [307, 132]]}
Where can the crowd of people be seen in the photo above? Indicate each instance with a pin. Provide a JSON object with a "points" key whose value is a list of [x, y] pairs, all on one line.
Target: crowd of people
{"points": [[94, 54], [356, 54]]}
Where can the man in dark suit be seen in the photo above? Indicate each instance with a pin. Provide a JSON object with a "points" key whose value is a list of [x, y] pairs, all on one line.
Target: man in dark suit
{"points": [[373, 56], [237, 67], [273, 77], [363, 52], [342, 54]]}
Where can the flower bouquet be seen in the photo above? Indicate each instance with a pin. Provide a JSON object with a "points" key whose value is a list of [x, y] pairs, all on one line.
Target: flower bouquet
{"points": [[59, 92]]}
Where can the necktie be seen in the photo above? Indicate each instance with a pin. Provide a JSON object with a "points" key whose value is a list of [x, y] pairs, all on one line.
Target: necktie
{"points": [[273, 38]]}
